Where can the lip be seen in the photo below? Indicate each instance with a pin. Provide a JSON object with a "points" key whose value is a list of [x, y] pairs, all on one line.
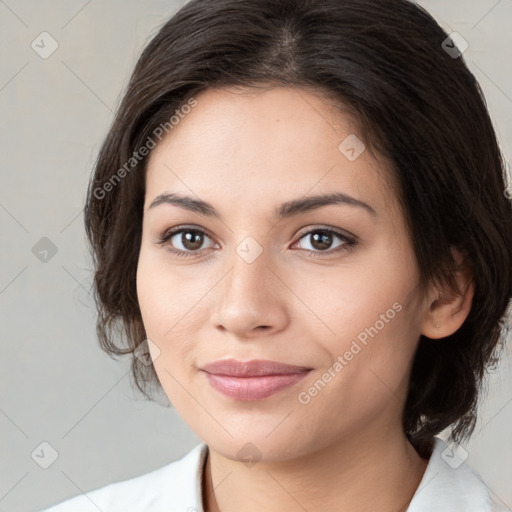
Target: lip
{"points": [[254, 368], [252, 380]]}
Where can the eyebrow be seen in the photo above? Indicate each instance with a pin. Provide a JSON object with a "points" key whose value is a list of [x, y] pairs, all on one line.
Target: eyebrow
{"points": [[287, 209]]}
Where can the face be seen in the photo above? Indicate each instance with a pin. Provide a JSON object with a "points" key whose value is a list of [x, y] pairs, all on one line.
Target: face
{"points": [[250, 268]]}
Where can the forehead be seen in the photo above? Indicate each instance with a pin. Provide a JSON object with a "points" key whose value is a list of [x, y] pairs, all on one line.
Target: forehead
{"points": [[265, 144]]}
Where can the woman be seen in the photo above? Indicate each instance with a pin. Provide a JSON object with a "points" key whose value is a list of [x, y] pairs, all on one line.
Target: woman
{"points": [[300, 222]]}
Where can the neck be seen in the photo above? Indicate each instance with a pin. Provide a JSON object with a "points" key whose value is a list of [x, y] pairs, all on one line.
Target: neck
{"points": [[356, 476]]}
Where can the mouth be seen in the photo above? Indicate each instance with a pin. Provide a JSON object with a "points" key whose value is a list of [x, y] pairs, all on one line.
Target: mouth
{"points": [[252, 380]]}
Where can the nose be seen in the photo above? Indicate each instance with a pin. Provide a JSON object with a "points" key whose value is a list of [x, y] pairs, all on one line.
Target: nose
{"points": [[251, 299]]}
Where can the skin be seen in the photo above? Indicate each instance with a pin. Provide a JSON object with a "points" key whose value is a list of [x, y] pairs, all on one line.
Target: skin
{"points": [[246, 152]]}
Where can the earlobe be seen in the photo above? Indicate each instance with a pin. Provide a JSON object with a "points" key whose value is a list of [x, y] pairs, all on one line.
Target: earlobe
{"points": [[448, 310]]}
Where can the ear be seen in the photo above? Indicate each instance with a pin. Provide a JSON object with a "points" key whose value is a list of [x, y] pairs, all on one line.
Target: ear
{"points": [[446, 309]]}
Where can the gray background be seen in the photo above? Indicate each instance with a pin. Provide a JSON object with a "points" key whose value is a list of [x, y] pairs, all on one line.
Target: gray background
{"points": [[57, 385]]}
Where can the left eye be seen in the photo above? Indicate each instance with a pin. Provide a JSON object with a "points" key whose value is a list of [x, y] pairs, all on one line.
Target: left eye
{"points": [[320, 240]]}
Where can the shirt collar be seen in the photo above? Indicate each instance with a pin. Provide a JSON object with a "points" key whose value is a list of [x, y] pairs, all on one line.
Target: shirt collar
{"points": [[448, 484]]}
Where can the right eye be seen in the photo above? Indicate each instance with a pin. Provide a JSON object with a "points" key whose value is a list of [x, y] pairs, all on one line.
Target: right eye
{"points": [[190, 239]]}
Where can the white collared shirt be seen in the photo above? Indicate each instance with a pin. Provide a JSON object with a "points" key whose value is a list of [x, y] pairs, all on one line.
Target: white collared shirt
{"points": [[448, 485]]}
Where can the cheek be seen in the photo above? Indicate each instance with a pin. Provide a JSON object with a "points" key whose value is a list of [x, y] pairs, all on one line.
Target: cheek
{"points": [[372, 313], [373, 296], [367, 373], [160, 310], [170, 304], [166, 297]]}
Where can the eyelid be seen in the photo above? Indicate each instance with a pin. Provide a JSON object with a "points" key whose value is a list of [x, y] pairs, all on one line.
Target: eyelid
{"points": [[323, 227]]}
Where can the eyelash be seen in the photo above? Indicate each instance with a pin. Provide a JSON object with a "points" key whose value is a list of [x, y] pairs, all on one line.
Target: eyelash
{"points": [[349, 243]]}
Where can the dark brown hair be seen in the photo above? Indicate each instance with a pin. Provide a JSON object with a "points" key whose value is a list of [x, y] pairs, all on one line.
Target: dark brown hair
{"points": [[415, 103]]}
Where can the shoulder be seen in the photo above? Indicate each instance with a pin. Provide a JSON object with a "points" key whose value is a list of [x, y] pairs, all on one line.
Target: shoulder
{"points": [[450, 484], [175, 487]]}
